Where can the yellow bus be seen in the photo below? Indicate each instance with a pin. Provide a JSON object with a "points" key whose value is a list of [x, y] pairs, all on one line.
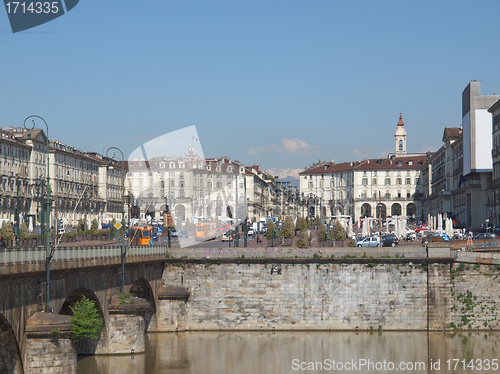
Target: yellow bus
{"points": [[204, 231]]}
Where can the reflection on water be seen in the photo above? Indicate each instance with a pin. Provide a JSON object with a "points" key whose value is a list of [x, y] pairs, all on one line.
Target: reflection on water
{"points": [[294, 352]]}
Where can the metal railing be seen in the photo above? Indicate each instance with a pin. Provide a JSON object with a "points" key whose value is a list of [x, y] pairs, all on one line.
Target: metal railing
{"points": [[13, 256]]}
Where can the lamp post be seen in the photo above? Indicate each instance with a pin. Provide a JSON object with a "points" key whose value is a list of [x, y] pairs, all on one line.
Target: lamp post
{"points": [[112, 149], [16, 213], [49, 253]]}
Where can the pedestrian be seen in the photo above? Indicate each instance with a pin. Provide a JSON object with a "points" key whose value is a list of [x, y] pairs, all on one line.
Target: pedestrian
{"points": [[279, 269], [272, 269]]}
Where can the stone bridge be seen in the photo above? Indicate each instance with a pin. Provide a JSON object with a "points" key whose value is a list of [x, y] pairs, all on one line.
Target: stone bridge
{"points": [[94, 272]]}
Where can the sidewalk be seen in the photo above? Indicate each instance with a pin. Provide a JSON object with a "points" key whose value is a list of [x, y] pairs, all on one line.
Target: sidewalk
{"points": [[90, 243]]}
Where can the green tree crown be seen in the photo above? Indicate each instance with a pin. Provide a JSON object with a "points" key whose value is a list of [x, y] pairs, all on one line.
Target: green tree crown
{"points": [[85, 321], [288, 228], [338, 231], [271, 228], [6, 231]]}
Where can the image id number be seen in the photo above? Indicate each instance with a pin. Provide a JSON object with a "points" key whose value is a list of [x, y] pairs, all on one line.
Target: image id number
{"points": [[478, 364], [32, 7]]}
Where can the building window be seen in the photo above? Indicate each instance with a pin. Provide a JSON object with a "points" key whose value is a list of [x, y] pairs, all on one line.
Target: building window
{"points": [[401, 146], [387, 181], [365, 181], [408, 180], [398, 181], [374, 181]]}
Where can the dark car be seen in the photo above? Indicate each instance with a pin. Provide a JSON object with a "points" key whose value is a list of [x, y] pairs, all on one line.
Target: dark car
{"points": [[174, 233], [486, 235], [389, 241], [184, 234]]}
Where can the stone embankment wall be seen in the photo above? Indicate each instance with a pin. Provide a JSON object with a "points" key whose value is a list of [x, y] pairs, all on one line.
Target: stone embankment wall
{"points": [[348, 294], [475, 296]]}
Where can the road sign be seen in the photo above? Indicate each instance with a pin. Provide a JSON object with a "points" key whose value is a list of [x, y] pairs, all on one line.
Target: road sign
{"points": [[118, 225], [159, 229]]}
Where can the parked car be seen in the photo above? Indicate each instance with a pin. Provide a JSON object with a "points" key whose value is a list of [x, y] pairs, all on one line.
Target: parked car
{"points": [[250, 232], [154, 236], [174, 233], [389, 241], [370, 241], [445, 237], [184, 234], [486, 235]]}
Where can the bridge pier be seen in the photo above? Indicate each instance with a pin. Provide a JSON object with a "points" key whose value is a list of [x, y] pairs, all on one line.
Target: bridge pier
{"points": [[126, 325], [49, 348]]}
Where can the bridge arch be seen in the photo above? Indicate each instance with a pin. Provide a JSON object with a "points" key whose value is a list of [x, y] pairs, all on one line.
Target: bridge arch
{"points": [[86, 346], [141, 288], [10, 356]]}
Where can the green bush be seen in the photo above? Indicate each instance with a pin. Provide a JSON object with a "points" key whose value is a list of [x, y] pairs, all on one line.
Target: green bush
{"points": [[85, 321], [69, 235]]}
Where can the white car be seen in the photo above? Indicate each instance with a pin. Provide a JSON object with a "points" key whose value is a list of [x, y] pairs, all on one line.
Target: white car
{"points": [[250, 232]]}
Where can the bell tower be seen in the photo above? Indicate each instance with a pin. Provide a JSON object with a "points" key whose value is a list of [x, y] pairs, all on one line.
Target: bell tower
{"points": [[400, 136]]}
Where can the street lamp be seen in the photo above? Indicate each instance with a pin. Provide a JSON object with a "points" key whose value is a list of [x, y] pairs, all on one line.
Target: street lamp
{"points": [[112, 149], [49, 253]]}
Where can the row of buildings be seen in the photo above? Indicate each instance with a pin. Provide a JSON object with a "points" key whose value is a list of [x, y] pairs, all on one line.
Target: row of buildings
{"points": [[89, 185], [462, 178]]}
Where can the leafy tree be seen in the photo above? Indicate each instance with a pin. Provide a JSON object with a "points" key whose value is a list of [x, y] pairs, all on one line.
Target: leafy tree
{"points": [[25, 234], [81, 227], [304, 239], [317, 220], [271, 228], [321, 232], [6, 231], [288, 229], [85, 321], [311, 222], [95, 224], [301, 224], [338, 231]]}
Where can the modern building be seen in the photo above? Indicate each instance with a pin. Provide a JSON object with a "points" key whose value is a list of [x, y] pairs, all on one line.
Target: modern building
{"points": [[493, 203]]}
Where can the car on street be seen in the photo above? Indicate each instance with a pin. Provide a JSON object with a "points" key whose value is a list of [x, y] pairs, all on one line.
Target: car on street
{"points": [[184, 234], [370, 241], [174, 233], [227, 237], [250, 232], [154, 236], [486, 235], [389, 241]]}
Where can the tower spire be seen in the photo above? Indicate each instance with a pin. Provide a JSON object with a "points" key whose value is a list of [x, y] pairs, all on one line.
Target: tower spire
{"points": [[400, 123]]}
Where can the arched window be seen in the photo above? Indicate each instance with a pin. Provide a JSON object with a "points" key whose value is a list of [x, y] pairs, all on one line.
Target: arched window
{"points": [[400, 145]]}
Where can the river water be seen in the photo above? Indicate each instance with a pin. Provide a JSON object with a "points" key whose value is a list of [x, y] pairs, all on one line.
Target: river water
{"points": [[305, 352]]}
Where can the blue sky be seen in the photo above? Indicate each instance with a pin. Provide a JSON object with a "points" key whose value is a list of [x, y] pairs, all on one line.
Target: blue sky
{"points": [[276, 83]]}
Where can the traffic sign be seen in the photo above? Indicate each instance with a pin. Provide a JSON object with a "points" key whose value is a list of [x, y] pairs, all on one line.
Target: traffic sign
{"points": [[118, 225]]}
